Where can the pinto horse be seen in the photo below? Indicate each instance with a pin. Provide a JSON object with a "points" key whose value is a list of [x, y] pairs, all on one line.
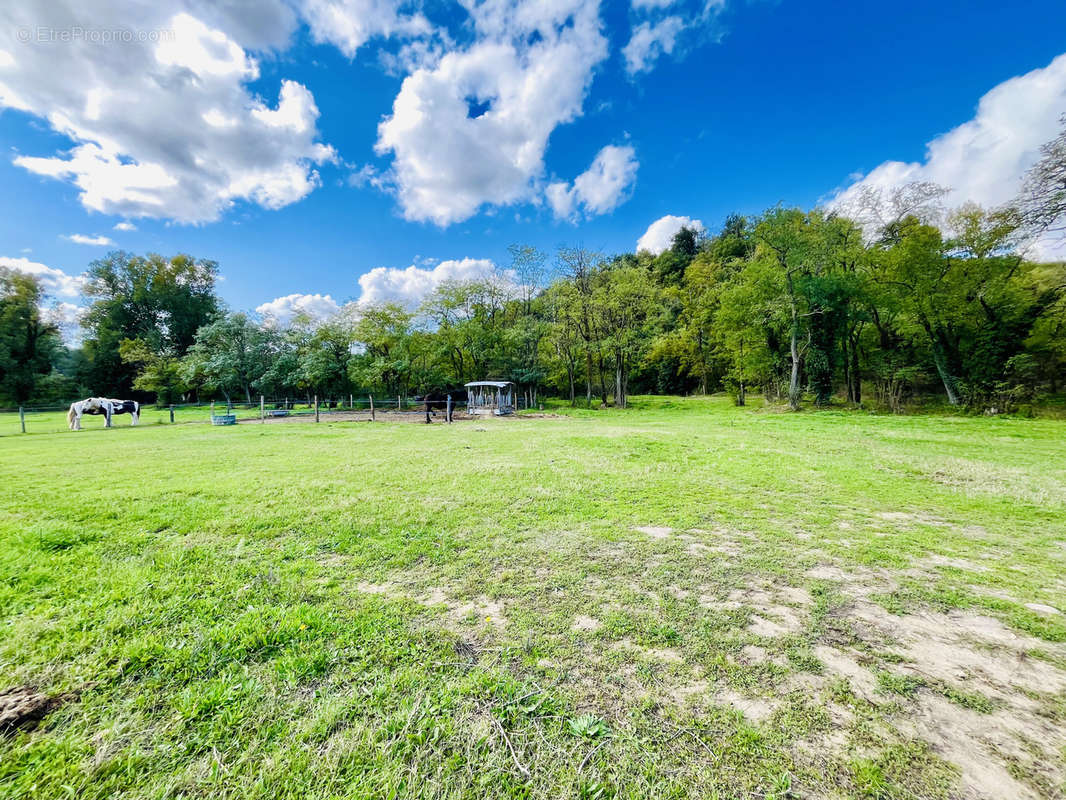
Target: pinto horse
{"points": [[102, 406]]}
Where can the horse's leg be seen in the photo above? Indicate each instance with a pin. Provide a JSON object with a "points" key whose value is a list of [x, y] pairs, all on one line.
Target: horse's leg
{"points": [[135, 414]]}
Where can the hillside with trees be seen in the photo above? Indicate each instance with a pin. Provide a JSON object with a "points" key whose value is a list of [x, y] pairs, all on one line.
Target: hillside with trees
{"points": [[887, 300]]}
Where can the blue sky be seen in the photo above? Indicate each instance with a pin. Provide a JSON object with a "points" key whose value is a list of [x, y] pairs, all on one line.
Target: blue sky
{"points": [[599, 120]]}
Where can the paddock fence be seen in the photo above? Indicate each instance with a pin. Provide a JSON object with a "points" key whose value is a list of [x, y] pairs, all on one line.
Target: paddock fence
{"points": [[272, 411]]}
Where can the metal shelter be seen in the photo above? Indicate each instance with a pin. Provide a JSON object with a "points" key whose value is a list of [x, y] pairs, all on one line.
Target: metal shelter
{"points": [[490, 397]]}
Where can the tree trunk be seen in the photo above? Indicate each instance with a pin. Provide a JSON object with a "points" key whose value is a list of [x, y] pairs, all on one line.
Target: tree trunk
{"points": [[602, 369], [950, 385], [741, 395], [794, 390], [856, 377], [846, 362], [588, 378], [951, 388], [619, 382]]}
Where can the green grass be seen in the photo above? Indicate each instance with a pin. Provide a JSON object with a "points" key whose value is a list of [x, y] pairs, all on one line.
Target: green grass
{"points": [[347, 610], [56, 421]]}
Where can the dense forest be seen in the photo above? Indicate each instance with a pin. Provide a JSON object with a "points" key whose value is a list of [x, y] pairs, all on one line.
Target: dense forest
{"points": [[879, 301]]}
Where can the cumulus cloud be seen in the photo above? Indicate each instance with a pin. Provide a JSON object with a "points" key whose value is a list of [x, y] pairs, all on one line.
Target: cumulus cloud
{"points": [[603, 187], [281, 311], [663, 24], [984, 159], [349, 24], [199, 141], [471, 128], [94, 241], [125, 226], [649, 41], [67, 317], [53, 281], [660, 234], [410, 286]]}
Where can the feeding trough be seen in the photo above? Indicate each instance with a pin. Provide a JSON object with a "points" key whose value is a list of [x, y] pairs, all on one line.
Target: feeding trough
{"points": [[490, 397], [222, 419]]}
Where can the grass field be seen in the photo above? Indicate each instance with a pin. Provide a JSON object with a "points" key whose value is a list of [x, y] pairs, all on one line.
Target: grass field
{"points": [[55, 421], [683, 599]]}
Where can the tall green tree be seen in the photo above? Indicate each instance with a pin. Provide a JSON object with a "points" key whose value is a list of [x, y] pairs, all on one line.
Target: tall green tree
{"points": [[161, 302], [229, 355], [28, 343]]}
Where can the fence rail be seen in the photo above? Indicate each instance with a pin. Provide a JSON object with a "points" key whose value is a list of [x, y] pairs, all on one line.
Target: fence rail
{"points": [[53, 418]]}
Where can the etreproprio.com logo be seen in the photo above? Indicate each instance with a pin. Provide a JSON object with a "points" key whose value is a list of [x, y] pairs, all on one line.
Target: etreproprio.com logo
{"points": [[48, 35]]}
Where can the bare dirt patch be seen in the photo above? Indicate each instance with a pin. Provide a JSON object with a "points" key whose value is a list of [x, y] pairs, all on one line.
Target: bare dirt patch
{"points": [[913, 518], [978, 694], [1040, 608], [481, 607], [754, 709], [844, 663], [655, 531], [363, 415], [950, 561], [977, 744], [384, 589], [22, 708], [585, 624]]}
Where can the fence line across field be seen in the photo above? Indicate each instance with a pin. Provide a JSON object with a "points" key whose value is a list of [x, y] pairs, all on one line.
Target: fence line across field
{"points": [[52, 418]]}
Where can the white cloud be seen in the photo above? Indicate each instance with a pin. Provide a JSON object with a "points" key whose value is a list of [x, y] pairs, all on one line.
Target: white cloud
{"points": [[94, 241], [199, 141], [471, 128], [53, 281], [281, 311], [410, 286], [601, 188], [649, 41], [67, 317], [982, 160], [125, 226], [660, 234], [659, 33], [349, 24]]}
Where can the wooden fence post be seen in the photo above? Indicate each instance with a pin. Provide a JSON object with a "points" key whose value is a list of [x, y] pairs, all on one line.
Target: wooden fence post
{"points": [[399, 403], [262, 409], [171, 413], [351, 402], [371, 408], [448, 414], [22, 418], [316, 408]]}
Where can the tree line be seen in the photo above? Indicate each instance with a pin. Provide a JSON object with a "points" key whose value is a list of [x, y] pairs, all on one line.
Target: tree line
{"points": [[885, 298]]}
